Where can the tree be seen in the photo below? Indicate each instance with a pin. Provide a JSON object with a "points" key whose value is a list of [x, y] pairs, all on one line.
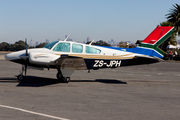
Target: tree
{"points": [[174, 34], [41, 45], [13, 47], [100, 43], [174, 17], [20, 45], [123, 44], [132, 45], [4, 46]]}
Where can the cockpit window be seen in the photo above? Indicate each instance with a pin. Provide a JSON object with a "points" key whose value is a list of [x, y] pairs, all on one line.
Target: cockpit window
{"points": [[77, 48], [50, 45], [92, 50], [62, 47]]}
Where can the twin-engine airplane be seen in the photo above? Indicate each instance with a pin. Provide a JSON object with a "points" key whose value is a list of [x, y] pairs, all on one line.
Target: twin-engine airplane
{"points": [[66, 56]]}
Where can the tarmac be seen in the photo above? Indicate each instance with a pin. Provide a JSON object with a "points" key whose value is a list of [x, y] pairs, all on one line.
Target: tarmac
{"points": [[141, 92]]}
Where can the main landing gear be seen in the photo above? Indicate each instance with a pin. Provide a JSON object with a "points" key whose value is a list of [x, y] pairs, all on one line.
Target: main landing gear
{"points": [[61, 78]]}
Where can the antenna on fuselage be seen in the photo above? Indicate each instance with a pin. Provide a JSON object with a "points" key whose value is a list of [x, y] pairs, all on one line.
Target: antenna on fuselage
{"points": [[66, 37], [91, 42]]}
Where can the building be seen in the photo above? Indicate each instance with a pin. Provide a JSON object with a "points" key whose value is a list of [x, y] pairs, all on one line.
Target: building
{"points": [[70, 40], [37, 43], [88, 39], [47, 40], [113, 43]]}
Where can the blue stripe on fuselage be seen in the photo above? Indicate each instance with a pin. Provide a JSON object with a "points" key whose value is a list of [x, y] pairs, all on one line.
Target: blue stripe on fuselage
{"points": [[138, 50]]}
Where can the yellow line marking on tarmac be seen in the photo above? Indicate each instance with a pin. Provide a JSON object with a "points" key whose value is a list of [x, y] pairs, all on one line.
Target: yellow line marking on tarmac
{"points": [[31, 112], [2, 57]]}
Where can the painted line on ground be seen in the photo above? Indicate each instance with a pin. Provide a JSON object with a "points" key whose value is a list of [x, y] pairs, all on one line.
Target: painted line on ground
{"points": [[31, 112], [2, 57]]}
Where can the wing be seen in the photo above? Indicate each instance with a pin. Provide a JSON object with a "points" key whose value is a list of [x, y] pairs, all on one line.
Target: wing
{"points": [[71, 62], [68, 64]]}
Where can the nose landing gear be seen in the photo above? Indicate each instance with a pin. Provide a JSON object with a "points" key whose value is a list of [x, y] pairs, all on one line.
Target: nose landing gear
{"points": [[20, 77]]}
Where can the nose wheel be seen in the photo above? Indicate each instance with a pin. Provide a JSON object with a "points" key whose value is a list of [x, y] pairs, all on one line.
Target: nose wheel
{"points": [[20, 77], [61, 78]]}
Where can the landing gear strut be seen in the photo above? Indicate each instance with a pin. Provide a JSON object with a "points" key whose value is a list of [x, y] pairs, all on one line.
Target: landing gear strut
{"points": [[61, 78], [59, 75], [20, 77]]}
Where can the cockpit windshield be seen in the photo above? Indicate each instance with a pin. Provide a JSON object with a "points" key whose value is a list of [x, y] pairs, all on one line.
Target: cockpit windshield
{"points": [[50, 45]]}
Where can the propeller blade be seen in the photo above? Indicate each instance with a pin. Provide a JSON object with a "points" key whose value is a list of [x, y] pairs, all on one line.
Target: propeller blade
{"points": [[27, 60], [26, 46], [25, 69]]}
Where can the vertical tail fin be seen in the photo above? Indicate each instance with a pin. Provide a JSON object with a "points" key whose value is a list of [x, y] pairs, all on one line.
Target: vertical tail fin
{"points": [[157, 39]]}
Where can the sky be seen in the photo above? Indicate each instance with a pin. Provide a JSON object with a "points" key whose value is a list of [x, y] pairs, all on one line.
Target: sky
{"points": [[120, 20]]}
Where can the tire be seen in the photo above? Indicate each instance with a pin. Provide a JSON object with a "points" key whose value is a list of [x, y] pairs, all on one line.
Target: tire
{"points": [[66, 79], [59, 76], [20, 77]]}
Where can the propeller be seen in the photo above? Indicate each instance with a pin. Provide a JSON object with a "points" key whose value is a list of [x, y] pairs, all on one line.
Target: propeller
{"points": [[26, 61]]}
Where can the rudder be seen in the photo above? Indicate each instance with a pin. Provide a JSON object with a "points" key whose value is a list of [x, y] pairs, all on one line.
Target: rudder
{"points": [[157, 40]]}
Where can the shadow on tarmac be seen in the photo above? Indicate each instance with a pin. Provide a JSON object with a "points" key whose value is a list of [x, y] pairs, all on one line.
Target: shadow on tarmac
{"points": [[32, 81], [8, 79], [110, 81]]}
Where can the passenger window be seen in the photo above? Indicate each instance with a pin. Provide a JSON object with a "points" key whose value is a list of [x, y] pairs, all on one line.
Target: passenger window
{"points": [[62, 47], [77, 48], [92, 50]]}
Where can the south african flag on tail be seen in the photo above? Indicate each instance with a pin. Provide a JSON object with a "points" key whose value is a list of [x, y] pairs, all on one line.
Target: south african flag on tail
{"points": [[154, 45], [157, 41]]}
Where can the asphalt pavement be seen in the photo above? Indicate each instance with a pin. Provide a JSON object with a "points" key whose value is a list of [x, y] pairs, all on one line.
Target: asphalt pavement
{"points": [[141, 92]]}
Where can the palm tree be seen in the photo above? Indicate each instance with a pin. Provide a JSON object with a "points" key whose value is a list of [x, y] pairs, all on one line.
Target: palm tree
{"points": [[174, 34], [174, 17]]}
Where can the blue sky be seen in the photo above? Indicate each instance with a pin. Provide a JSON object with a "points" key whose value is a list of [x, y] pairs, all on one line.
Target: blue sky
{"points": [[121, 20]]}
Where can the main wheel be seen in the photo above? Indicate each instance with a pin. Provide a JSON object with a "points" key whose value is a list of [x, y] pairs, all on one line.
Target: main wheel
{"points": [[66, 79], [59, 76], [20, 77]]}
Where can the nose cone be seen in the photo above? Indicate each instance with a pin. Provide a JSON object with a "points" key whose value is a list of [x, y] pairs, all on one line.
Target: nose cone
{"points": [[7, 57], [12, 56]]}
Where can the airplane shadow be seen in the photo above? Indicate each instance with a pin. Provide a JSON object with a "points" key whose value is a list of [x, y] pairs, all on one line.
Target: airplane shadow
{"points": [[107, 81], [110, 81], [32, 81]]}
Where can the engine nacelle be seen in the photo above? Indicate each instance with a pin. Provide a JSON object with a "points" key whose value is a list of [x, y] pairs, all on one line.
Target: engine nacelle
{"points": [[42, 58]]}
